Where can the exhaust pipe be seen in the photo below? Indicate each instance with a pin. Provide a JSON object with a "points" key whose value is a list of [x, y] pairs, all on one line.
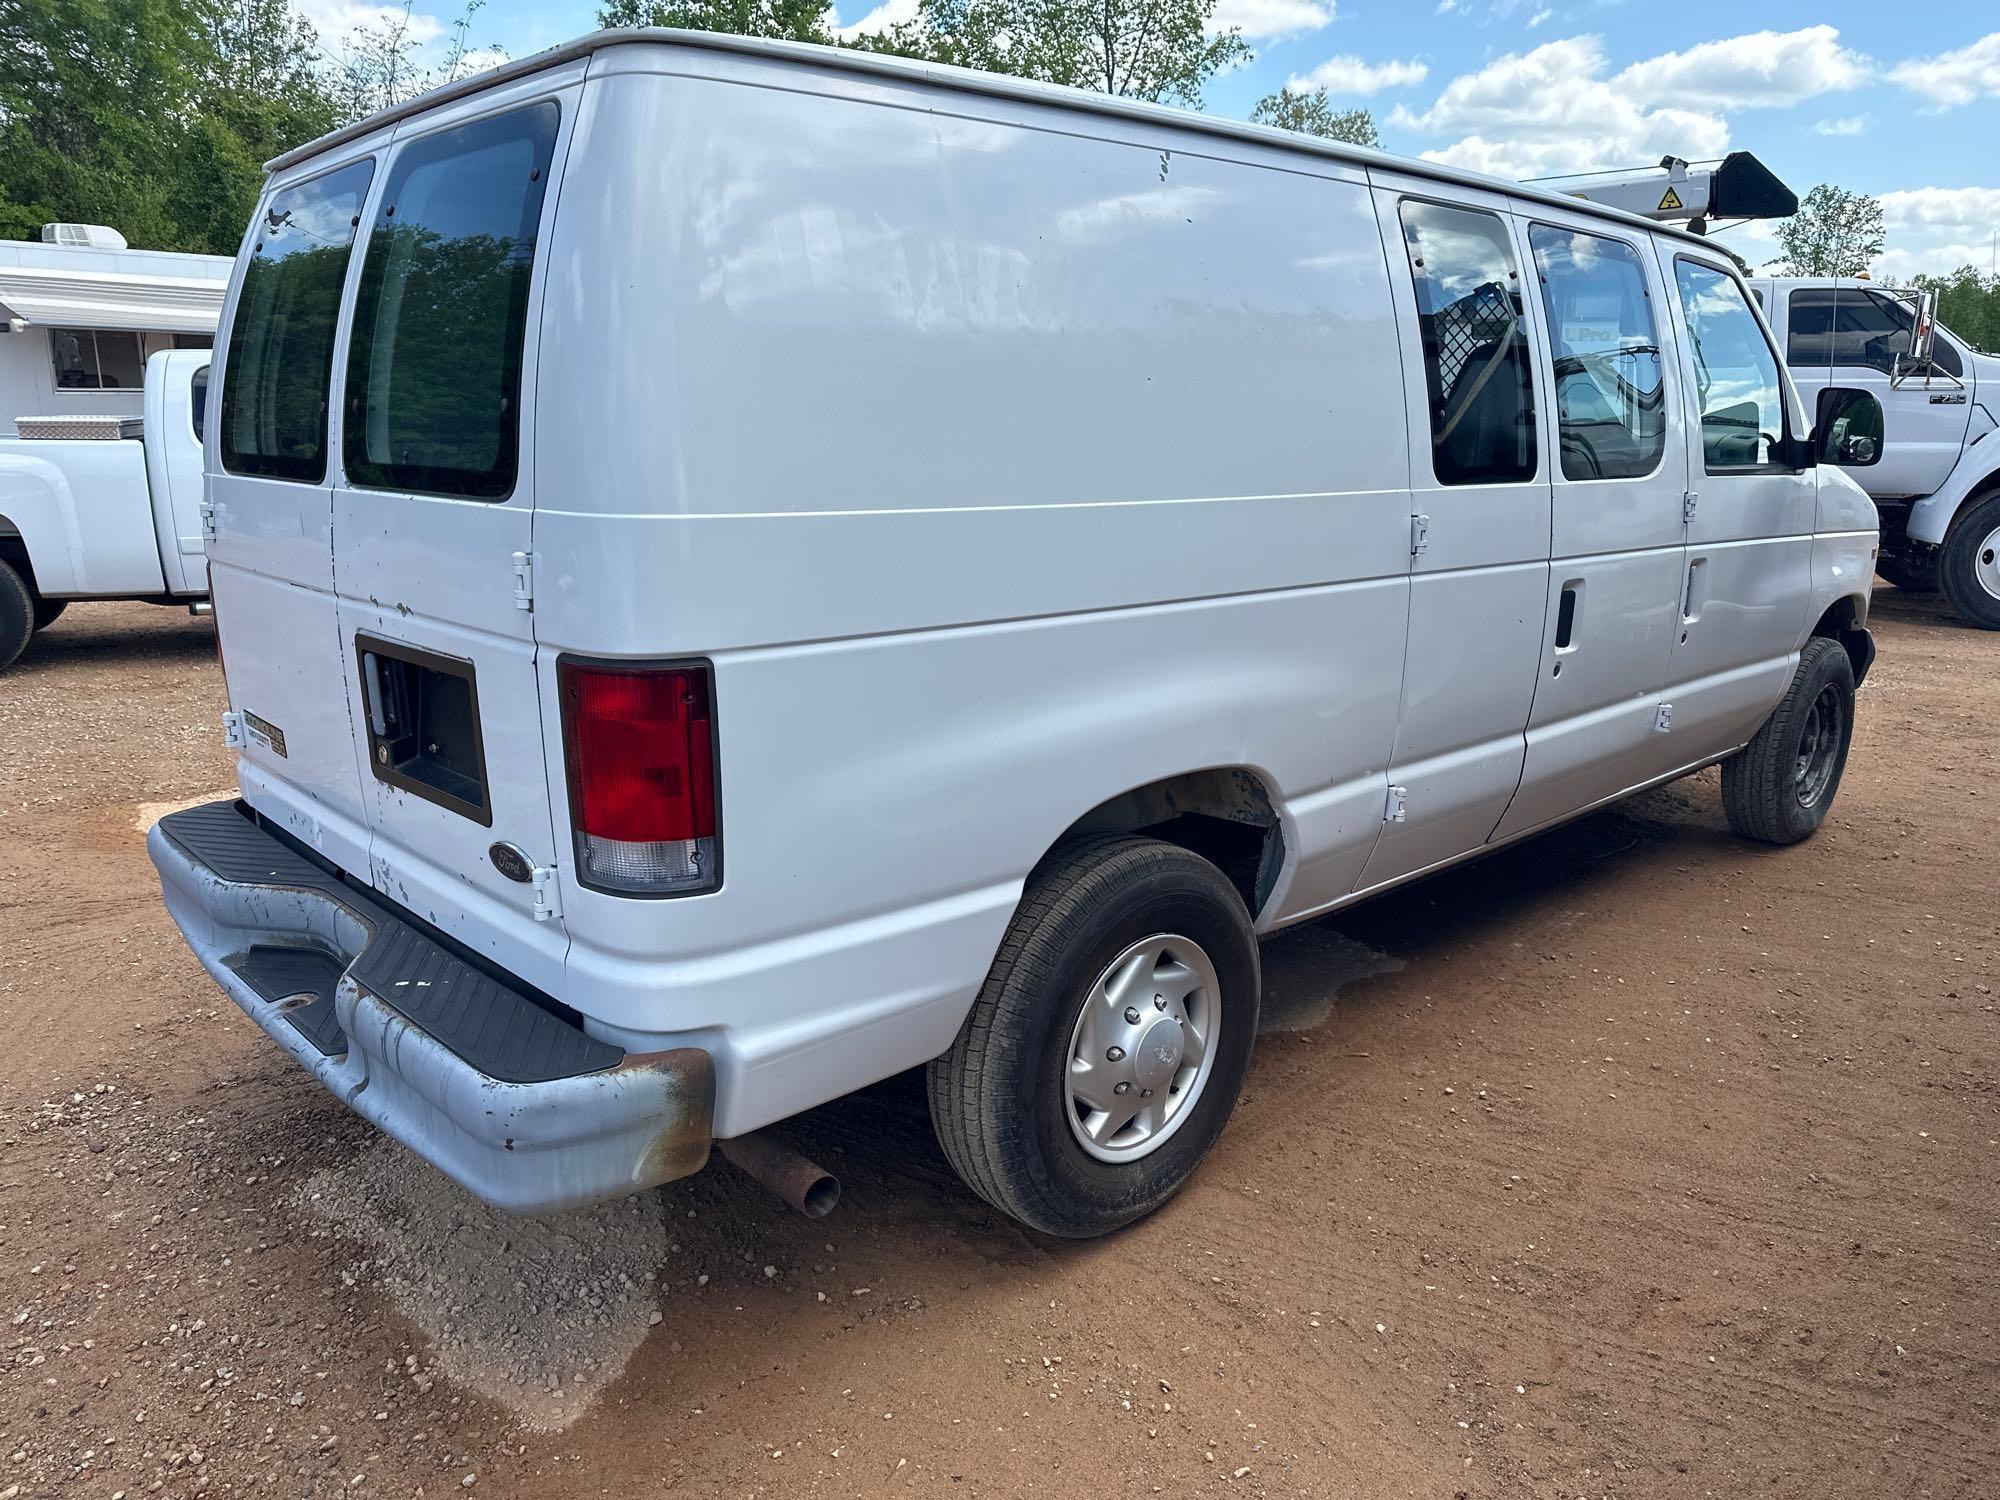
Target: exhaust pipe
{"points": [[201, 608], [800, 1181]]}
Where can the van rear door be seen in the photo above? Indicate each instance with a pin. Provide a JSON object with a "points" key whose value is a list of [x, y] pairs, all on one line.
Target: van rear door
{"points": [[433, 518], [269, 508]]}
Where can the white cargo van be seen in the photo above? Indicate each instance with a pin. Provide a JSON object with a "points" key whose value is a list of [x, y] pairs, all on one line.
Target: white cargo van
{"points": [[746, 568], [1938, 484]]}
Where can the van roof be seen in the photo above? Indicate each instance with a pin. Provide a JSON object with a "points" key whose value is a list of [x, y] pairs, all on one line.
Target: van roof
{"points": [[964, 80]]}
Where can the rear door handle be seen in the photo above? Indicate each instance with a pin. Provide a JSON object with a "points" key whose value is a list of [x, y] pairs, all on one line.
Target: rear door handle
{"points": [[1696, 594], [1567, 608]]}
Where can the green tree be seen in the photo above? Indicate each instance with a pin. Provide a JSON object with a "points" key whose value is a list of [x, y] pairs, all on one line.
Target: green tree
{"points": [[1968, 304], [1834, 233], [790, 20], [1313, 114], [1161, 50]]}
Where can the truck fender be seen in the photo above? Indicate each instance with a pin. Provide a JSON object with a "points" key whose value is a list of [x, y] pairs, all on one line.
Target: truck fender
{"points": [[37, 507], [1977, 470]]}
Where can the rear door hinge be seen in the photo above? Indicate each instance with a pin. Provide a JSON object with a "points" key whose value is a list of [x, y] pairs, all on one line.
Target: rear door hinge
{"points": [[524, 580], [208, 513], [1420, 534], [1663, 719], [543, 880], [1687, 507], [232, 730], [1397, 809]]}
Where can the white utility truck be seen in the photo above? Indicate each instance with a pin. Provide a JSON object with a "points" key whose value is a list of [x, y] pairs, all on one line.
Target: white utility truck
{"points": [[745, 568], [105, 507], [1937, 486]]}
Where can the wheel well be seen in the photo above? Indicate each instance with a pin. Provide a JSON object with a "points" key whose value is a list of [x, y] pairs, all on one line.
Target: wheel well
{"points": [[1224, 814], [1842, 623], [14, 552]]}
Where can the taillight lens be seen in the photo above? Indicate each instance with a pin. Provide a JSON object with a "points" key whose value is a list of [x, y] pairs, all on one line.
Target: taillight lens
{"points": [[640, 743]]}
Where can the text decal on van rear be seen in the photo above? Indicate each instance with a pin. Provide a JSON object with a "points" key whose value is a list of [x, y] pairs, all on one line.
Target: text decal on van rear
{"points": [[265, 733]]}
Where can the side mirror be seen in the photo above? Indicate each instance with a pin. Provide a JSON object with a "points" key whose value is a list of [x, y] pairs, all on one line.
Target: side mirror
{"points": [[1849, 429], [1923, 330]]}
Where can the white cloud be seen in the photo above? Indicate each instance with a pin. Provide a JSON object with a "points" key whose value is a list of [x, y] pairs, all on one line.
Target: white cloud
{"points": [[1765, 69], [1954, 77], [1927, 231], [1348, 75], [889, 13], [1538, 17], [1446, 7], [334, 19], [1267, 20], [1851, 125], [1556, 109]]}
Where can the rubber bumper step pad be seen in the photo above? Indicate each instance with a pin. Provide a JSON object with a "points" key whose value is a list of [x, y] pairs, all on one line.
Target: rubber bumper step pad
{"points": [[303, 975], [477, 1016]]}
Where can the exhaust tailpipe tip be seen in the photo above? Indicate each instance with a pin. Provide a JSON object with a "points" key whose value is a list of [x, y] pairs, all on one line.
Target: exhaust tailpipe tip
{"points": [[794, 1177]]}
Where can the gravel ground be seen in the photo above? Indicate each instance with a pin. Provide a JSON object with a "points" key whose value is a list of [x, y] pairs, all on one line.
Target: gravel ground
{"points": [[1630, 1162]]}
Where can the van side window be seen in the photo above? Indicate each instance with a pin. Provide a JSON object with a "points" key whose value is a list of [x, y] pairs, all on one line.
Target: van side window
{"points": [[1736, 374], [198, 403], [1476, 367], [274, 387], [434, 365], [1610, 382], [1846, 326]]}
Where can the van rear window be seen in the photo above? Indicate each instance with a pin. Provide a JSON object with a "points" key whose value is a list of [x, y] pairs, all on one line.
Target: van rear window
{"points": [[434, 364], [281, 343]]}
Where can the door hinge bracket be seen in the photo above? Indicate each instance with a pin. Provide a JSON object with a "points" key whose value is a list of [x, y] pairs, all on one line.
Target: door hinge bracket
{"points": [[1420, 533], [208, 511], [1397, 809], [232, 730], [1663, 718], [524, 580], [1687, 507], [543, 879]]}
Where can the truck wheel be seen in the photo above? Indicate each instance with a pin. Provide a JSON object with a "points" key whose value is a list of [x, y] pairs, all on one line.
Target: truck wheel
{"points": [[1913, 575], [1969, 564], [48, 611], [17, 616], [1106, 1050], [1778, 788]]}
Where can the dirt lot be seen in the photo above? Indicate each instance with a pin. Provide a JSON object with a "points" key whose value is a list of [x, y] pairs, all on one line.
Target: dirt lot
{"points": [[1631, 1162]]}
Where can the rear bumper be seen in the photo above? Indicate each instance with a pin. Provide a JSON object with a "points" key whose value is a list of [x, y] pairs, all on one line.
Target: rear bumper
{"points": [[494, 1088]]}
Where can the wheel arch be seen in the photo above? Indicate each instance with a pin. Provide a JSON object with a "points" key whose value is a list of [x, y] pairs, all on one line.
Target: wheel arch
{"points": [[1845, 621], [1225, 814]]}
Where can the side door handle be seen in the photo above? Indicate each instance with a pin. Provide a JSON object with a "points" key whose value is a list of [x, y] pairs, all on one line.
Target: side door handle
{"points": [[1695, 596], [1568, 607]]}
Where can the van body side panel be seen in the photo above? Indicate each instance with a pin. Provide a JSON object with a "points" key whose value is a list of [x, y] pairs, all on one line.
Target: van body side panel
{"points": [[997, 470]]}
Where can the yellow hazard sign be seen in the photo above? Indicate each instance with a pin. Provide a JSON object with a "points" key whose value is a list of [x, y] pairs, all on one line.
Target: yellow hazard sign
{"points": [[1672, 200]]}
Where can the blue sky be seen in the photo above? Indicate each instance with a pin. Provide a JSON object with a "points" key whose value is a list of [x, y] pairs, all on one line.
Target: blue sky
{"points": [[1900, 102]]}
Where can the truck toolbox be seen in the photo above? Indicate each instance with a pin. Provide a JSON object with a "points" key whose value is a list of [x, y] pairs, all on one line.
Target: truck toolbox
{"points": [[510, 1098]]}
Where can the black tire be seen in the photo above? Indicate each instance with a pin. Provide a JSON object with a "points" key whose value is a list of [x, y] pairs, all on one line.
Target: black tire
{"points": [[17, 616], [1968, 569], [48, 611], [1913, 575], [1778, 788], [998, 1098]]}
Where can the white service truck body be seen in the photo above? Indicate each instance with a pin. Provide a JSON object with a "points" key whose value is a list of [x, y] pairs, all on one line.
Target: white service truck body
{"points": [[106, 517]]}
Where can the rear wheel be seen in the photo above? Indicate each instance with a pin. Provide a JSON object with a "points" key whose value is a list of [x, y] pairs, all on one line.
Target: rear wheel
{"points": [[48, 611], [1108, 1046], [17, 615], [1778, 789], [1969, 564]]}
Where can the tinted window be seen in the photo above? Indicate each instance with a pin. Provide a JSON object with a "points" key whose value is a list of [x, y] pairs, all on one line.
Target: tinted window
{"points": [[1482, 399], [1610, 396], [1735, 372], [1845, 326], [198, 402], [97, 359], [281, 344], [434, 367]]}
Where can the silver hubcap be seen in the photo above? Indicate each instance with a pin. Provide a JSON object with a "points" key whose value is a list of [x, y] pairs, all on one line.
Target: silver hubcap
{"points": [[1986, 565], [1819, 748], [1142, 1048]]}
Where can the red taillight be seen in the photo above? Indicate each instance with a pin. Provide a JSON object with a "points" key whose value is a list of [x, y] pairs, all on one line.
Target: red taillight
{"points": [[640, 743]]}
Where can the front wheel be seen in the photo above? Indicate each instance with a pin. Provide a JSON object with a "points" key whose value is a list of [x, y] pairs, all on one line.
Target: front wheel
{"points": [[1969, 564], [1107, 1048], [1778, 788]]}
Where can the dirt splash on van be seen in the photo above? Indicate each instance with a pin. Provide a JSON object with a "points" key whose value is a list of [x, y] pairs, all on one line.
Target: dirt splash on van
{"points": [[536, 1314]]}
